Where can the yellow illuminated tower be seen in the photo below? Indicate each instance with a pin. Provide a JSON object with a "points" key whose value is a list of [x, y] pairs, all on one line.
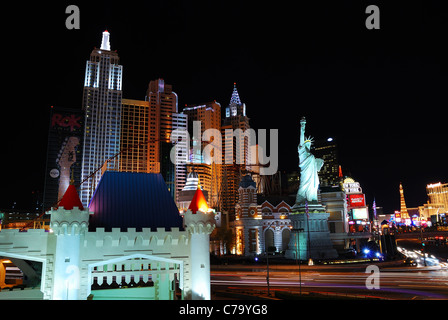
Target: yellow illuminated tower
{"points": [[403, 209], [438, 194], [136, 129]]}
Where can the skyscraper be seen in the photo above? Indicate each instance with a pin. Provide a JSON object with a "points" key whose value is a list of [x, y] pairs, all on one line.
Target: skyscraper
{"points": [[180, 123], [134, 135], [164, 119], [209, 172], [236, 118], [102, 106], [235, 151], [162, 104], [145, 136], [328, 151]]}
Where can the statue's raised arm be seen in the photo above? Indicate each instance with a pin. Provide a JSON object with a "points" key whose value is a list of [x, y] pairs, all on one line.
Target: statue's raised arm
{"points": [[302, 131]]}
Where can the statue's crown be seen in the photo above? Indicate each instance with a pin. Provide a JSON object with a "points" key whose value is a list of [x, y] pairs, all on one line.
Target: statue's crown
{"points": [[309, 139]]}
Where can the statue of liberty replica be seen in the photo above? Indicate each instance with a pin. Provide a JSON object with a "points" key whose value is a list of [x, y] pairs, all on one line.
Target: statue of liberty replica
{"points": [[309, 167], [310, 237]]}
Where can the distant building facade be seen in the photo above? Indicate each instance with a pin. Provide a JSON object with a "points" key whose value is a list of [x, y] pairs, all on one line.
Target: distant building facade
{"points": [[328, 151], [64, 153], [349, 222], [436, 209], [260, 224], [438, 194]]}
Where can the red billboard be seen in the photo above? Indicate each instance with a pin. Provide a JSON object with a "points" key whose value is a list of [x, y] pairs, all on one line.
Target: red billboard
{"points": [[356, 200]]}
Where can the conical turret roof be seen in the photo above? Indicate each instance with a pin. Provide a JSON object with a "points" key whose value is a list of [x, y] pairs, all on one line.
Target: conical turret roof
{"points": [[71, 199], [198, 202]]}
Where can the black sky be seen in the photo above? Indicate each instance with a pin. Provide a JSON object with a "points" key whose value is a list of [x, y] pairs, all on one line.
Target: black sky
{"points": [[380, 93]]}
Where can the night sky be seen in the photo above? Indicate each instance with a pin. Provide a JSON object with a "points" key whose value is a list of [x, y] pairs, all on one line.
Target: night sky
{"points": [[382, 94]]}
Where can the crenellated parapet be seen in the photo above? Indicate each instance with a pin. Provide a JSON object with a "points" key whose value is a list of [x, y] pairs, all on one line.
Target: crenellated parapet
{"points": [[200, 222], [133, 238], [71, 222]]}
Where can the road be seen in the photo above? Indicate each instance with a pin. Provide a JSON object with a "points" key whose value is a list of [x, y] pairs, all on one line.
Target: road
{"points": [[390, 282]]}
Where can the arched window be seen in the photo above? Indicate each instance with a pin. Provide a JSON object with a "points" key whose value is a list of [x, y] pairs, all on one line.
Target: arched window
{"points": [[283, 212], [269, 245], [266, 212], [286, 235]]}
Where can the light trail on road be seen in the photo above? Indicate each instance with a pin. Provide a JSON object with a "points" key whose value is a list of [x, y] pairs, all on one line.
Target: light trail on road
{"points": [[394, 283]]}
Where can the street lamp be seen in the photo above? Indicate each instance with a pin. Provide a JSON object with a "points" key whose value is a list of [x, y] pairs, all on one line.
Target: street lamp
{"points": [[310, 261], [267, 259], [423, 245], [297, 231]]}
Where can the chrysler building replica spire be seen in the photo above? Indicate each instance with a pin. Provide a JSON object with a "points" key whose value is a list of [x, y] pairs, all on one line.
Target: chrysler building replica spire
{"points": [[236, 107]]}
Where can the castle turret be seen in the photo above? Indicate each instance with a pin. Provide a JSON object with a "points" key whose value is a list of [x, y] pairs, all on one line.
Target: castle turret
{"points": [[200, 222], [69, 223]]}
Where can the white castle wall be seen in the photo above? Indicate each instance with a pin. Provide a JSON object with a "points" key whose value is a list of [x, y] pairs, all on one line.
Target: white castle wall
{"points": [[36, 245], [73, 258], [167, 251]]}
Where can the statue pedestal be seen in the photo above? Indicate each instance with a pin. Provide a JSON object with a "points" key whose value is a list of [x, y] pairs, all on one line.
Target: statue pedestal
{"points": [[310, 237]]}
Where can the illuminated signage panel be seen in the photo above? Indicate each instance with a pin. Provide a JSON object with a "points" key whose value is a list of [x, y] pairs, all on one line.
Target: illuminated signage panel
{"points": [[356, 200], [360, 213], [352, 187]]}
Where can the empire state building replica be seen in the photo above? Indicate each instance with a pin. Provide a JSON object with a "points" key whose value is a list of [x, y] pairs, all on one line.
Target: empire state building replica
{"points": [[102, 106]]}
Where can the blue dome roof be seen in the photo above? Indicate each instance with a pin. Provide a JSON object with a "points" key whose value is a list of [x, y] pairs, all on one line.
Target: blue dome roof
{"points": [[247, 181], [133, 200]]}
